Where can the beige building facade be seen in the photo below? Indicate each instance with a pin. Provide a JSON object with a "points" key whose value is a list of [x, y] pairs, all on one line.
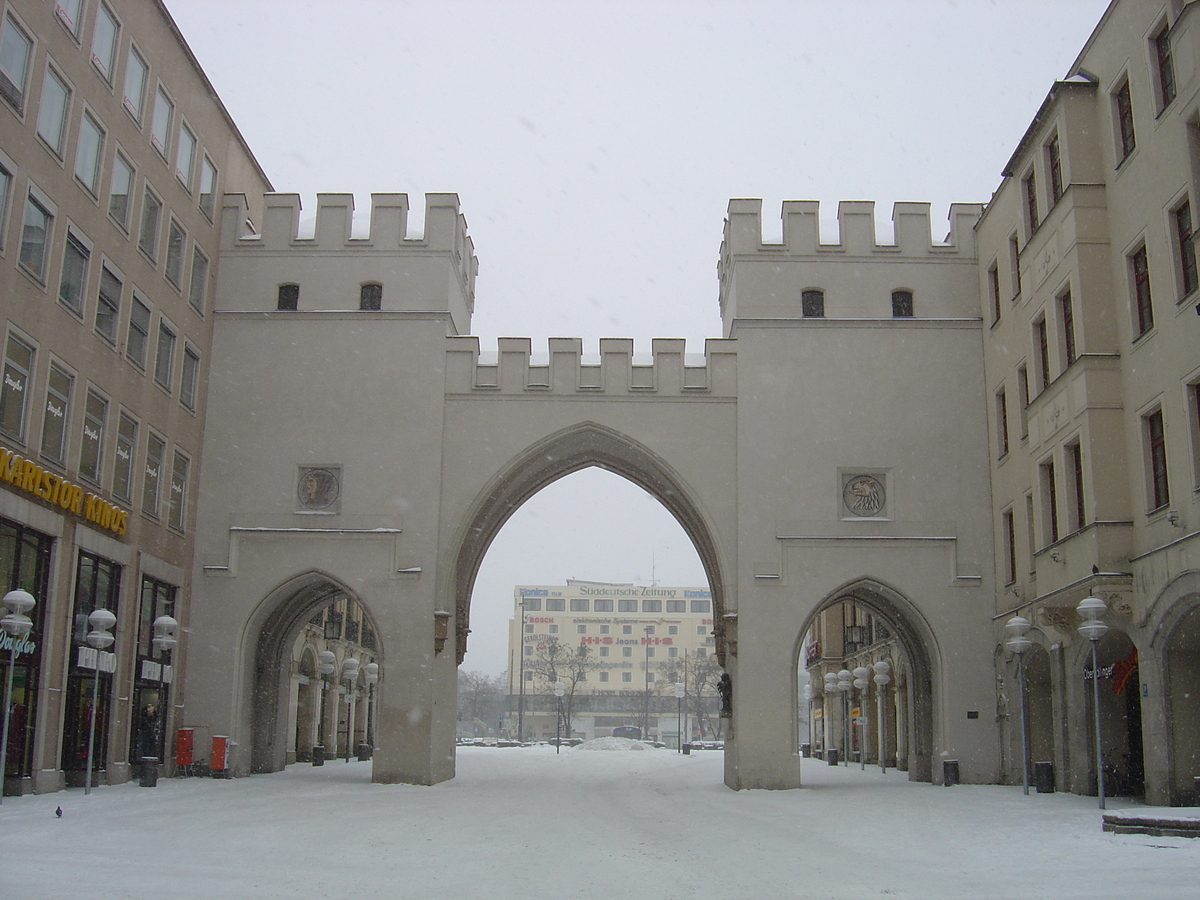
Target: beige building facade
{"points": [[114, 154]]}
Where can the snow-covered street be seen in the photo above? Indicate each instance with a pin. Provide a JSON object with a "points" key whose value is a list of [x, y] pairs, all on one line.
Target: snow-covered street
{"points": [[529, 823]]}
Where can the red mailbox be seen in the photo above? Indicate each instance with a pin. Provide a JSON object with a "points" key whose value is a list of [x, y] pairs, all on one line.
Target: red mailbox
{"points": [[217, 762], [185, 746]]}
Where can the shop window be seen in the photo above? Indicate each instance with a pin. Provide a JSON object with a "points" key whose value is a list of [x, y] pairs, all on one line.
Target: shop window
{"points": [[812, 304], [127, 430], [56, 415], [15, 50], [91, 451], [18, 363]]}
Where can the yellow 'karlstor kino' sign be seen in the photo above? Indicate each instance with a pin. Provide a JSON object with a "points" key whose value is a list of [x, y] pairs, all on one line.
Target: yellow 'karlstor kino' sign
{"points": [[31, 477]]}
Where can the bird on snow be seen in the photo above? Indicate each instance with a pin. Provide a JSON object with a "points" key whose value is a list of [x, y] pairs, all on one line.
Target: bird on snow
{"points": [[58, 812]]}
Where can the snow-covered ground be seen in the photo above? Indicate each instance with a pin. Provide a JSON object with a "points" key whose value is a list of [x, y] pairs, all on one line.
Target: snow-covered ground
{"points": [[527, 823]]}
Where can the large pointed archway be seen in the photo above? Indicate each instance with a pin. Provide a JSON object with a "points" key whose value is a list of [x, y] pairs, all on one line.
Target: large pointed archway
{"points": [[561, 454]]}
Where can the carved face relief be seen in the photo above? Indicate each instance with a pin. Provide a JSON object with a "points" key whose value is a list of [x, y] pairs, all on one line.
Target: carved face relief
{"points": [[317, 489]]}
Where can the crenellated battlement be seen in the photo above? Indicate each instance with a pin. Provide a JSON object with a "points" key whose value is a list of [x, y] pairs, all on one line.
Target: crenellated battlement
{"points": [[615, 374], [330, 267]]}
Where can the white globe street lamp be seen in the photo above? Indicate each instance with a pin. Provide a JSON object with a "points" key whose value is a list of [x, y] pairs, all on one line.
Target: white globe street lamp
{"points": [[350, 676], [1091, 610], [372, 676], [16, 625], [99, 638], [326, 664], [1018, 643]]}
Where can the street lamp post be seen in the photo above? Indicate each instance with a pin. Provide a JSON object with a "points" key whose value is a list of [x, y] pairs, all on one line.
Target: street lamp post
{"points": [[831, 687], [325, 665], [16, 625], [99, 638], [1091, 611], [559, 690], [521, 686], [646, 687], [679, 691], [350, 676], [845, 685], [882, 668], [860, 682], [372, 676], [1018, 642]]}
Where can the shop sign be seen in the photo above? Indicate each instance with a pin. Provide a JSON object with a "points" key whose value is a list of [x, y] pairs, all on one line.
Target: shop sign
{"points": [[33, 479], [17, 646], [91, 658]]}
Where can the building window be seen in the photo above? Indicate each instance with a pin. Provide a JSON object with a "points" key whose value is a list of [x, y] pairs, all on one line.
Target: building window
{"points": [[1014, 262], [1054, 170], [54, 422], [160, 125], [602, 606], [578, 605], [1008, 528], [902, 304], [68, 13], [18, 363], [993, 281], [604, 628], [553, 629], [164, 358], [1164, 68], [155, 447], [604, 676], [700, 630], [626, 677], [108, 305], [1123, 104], [628, 629], [1075, 473], [673, 652], [556, 605], [175, 241], [531, 604], [1031, 204], [1029, 533], [653, 606], [1049, 501], [198, 285], [649, 629], [185, 157], [627, 606], [528, 675], [189, 377], [812, 304], [1001, 423], [1067, 316], [650, 653], [676, 606], [88, 153], [74, 273], [104, 42], [158, 599], [627, 651], [52, 112], [35, 233], [177, 503], [119, 191], [15, 49], [701, 606], [1023, 398], [148, 236], [208, 188], [138, 337], [123, 465], [604, 651], [370, 296], [136, 71], [581, 629], [1042, 348], [91, 452], [1156, 453], [1186, 248], [1139, 274], [288, 297]]}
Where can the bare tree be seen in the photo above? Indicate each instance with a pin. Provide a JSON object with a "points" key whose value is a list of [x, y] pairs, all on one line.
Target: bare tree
{"points": [[480, 701], [553, 661], [700, 676]]}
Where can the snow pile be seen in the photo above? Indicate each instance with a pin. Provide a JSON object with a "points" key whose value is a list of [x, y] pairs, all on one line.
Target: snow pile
{"points": [[612, 743]]}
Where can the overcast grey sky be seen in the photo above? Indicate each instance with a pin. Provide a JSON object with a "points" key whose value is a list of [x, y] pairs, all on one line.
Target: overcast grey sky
{"points": [[594, 147]]}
